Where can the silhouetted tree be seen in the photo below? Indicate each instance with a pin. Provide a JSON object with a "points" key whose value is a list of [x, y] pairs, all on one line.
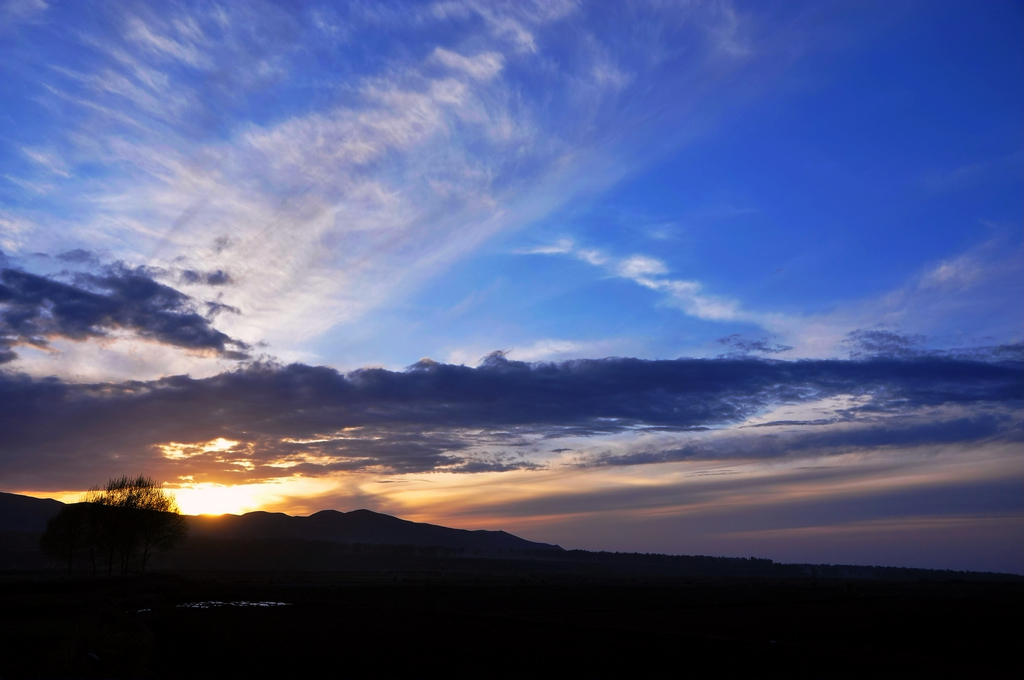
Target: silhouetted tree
{"points": [[123, 526], [65, 535], [157, 531]]}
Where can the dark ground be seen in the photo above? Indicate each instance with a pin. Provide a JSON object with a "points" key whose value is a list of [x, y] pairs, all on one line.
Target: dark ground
{"points": [[490, 624]]}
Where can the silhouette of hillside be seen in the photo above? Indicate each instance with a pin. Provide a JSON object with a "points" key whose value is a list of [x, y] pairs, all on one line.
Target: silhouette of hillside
{"points": [[22, 520], [370, 542], [373, 596], [24, 513], [357, 526]]}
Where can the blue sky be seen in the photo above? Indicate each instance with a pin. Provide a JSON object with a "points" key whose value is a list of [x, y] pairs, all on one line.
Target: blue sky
{"points": [[246, 189]]}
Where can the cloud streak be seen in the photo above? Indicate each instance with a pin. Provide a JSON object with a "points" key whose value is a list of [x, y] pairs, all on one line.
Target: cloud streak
{"points": [[972, 290], [436, 417]]}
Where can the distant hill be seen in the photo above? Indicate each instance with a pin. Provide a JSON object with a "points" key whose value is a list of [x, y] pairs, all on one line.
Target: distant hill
{"points": [[22, 520], [370, 542], [25, 513], [358, 526]]}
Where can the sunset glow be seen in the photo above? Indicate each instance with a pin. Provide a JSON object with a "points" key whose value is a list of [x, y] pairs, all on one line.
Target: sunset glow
{"points": [[208, 498]]}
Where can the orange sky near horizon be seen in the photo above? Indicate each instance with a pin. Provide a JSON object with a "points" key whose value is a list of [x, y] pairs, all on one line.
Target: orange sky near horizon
{"points": [[699, 507]]}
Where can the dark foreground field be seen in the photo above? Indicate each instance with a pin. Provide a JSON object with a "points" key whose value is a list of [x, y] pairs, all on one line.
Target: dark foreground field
{"points": [[502, 625]]}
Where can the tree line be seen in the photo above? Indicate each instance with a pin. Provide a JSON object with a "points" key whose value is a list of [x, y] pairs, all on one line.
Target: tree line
{"points": [[117, 529]]}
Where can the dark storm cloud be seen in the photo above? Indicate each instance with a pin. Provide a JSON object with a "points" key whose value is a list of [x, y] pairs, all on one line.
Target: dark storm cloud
{"points": [[34, 309], [435, 416]]}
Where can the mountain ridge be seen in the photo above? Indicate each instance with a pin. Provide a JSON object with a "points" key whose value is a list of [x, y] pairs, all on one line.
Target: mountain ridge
{"points": [[27, 514], [355, 526], [367, 541]]}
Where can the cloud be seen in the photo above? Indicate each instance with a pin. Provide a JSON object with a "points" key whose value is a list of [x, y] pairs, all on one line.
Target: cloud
{"points": [[80, 256], [328, 209], [549, 349], [883, 343], [862, 508], [342, 183], [728, 34], [650, 272], [214, 278], [49, 160], [561, 247], [953, 274], [483, 66], [15, 12], [514, 24], [552, 348], [740, 346], [959, 302], [185, 45], [640, 266], [795, 439], [37, 309], [432, 417]]}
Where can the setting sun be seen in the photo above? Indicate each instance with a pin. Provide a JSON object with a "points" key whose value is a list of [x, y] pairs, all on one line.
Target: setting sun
{"points": [[217, 499], [208, 498]]}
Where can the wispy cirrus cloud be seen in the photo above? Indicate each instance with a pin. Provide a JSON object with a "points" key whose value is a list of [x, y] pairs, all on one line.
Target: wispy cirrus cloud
{"points": [[932, 301], [347, 189], [21, 11], [652, 273]]}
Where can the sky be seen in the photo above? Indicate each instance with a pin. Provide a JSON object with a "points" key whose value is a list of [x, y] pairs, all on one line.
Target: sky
{"points": [[682, 277]]}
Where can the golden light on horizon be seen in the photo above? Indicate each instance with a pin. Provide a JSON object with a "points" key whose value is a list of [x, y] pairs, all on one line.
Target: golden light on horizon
{"points": [[211, 498], [538, 500], [532, 498], [62, 496]]}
